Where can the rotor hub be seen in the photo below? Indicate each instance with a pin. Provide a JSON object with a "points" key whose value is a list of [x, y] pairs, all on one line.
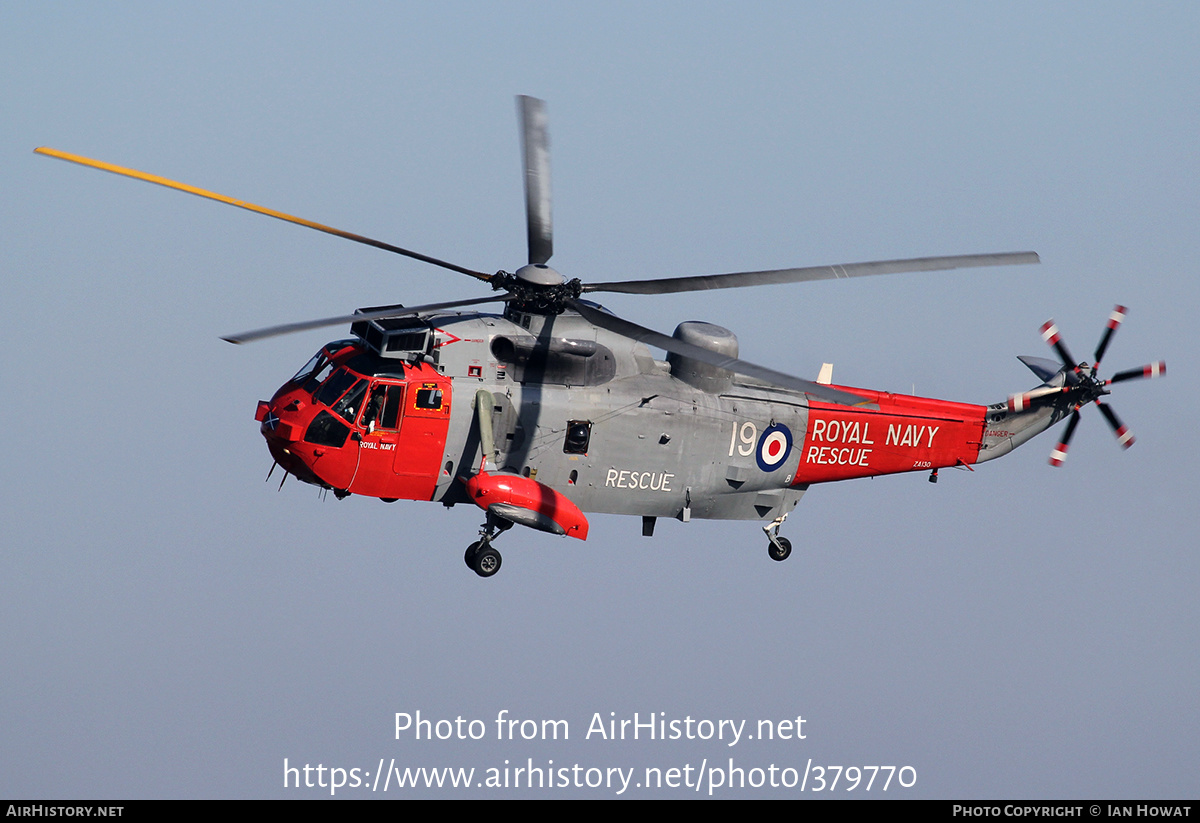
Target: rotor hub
{"points": [[538, 289], [539, 274]]}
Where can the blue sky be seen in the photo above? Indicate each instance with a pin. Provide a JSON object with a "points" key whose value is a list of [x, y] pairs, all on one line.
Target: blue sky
{"points": [[174, 627]]}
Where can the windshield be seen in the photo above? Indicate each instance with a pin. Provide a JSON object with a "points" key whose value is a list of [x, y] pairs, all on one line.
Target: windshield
{"points": [[334, 387], [310, 367]]}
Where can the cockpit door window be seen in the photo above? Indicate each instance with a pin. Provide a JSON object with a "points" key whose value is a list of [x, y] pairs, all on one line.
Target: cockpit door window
{"points": [[383, 407]]}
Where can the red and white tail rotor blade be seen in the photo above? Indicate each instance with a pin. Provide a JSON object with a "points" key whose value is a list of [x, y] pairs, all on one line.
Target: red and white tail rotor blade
{"points": [[1021, 402], [1150, 370], [1059, 454], [1114, 320], [1124, 436], [1050, 335]]}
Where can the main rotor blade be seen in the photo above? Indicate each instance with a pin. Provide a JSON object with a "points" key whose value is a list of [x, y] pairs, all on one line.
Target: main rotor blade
{"points": [[242, 204], [733, 364], [671, 285], [305, 325], [535, 153]]}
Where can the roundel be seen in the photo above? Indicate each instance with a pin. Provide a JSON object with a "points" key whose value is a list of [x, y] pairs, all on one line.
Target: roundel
{"points": [[774, 447]]}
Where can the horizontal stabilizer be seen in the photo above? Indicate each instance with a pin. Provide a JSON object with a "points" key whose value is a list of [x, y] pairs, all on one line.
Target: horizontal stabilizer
{"points": [[1043, 367]]}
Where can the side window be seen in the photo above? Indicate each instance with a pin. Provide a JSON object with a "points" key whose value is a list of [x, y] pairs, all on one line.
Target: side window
{"points": [[326, 430], [579, 434], [428, 398]]}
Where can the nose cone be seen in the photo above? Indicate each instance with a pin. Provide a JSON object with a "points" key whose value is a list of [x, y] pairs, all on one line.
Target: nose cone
{"points": [[278, 422], [282, 423]]}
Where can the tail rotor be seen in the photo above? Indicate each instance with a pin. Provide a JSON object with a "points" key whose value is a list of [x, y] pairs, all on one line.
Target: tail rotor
{"points": [[1076, 385]]}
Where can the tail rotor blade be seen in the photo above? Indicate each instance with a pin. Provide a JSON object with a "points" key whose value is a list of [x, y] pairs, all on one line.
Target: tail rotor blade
{"points": [[1124, 436], [1114, 320], [1020, 402], [535, 151], [1151, 370], [1050, 335], [1060, 451]]}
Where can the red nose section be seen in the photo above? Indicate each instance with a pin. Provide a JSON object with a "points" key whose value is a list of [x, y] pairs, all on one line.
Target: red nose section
{"points": [[528, 502]]}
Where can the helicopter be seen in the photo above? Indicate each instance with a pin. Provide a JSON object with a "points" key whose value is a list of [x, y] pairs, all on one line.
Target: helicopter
{"points": [[556, 407]]}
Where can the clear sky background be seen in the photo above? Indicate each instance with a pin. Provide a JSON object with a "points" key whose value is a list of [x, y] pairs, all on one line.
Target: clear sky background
{"points": [[174, 627]]}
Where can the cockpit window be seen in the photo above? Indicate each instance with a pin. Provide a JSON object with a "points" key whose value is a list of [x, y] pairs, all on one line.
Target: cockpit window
{"points": [[326, 430], [347, 408], [310, 368], [314, 382], [334, 387]]}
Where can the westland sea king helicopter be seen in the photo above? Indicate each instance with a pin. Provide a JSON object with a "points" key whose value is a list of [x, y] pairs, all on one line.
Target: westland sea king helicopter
{"points": [[557, 407]]}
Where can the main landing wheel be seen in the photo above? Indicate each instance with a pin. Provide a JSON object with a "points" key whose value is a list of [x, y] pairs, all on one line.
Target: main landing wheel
{"points": [[487, 562], [469, 557], [781, 552]]}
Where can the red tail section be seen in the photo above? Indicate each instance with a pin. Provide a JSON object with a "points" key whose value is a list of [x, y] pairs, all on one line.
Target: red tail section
{"points": [[894, 433]]}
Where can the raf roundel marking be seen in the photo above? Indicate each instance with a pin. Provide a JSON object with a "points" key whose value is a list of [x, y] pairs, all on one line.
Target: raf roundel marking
{"points": [[774, 447]]}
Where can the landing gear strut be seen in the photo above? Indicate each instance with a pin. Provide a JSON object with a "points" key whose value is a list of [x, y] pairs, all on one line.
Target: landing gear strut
{"points": [[481, 557], [779, 548]]}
